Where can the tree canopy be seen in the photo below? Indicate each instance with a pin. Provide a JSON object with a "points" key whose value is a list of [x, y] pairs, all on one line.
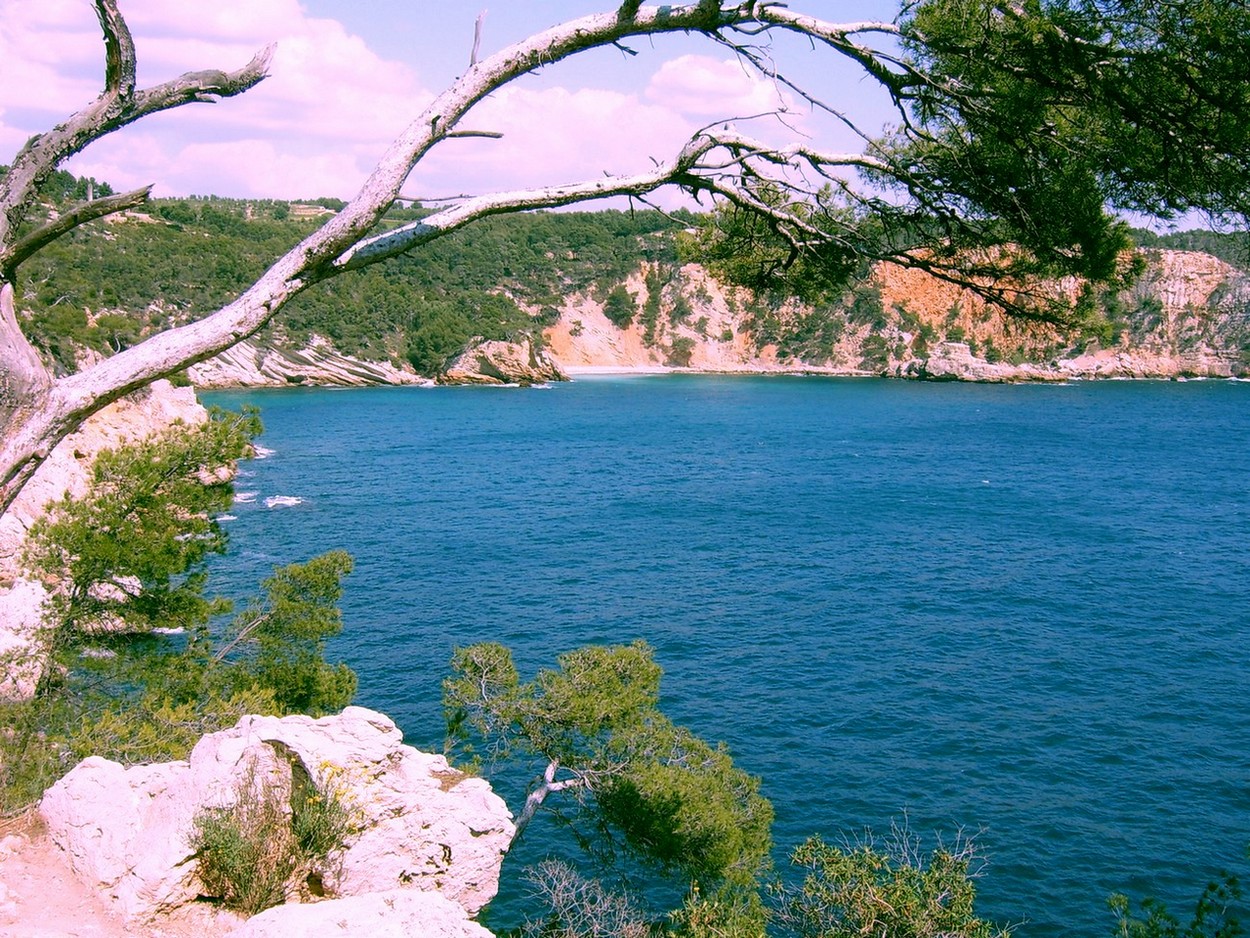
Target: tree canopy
{"points": [[641, 784]]}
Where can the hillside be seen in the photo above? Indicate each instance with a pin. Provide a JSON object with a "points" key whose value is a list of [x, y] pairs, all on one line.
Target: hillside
{"points": [[601, 290], [1187, 314]]}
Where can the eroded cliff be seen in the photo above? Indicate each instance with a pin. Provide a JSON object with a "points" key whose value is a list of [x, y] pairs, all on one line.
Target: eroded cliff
{"points": [[1186, 314]]}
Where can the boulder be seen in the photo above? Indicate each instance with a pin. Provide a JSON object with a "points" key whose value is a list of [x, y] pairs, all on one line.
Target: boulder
{"points": [[954, 361], [521, 362], [400, 913], [420, 824]]}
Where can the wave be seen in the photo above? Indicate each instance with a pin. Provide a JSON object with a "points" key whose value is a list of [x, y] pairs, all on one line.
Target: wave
{"points": [[261, 452], [163, 630], [226, 518], [283, 501], [245, 498]]}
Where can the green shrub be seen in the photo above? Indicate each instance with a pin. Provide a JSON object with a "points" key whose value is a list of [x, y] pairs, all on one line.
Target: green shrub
{"points": [[895, 890], [253, 853], [619, 307], [247, 851], [680, 351]]}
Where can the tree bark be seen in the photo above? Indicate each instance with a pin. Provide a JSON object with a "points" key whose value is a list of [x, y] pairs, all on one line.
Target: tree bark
{"points": [[534, 800], [23, 377]]}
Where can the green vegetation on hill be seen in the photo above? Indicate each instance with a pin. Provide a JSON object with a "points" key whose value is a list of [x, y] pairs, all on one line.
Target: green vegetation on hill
{"points": [[1232, 247], [109, 284], [184, 258]]}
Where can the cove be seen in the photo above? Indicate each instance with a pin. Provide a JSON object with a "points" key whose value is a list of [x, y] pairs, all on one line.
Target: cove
{"points": [[1019, 611]]}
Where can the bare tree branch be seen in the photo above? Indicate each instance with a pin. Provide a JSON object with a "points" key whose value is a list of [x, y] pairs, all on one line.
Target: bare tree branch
{"points": [[477, 38], [119, 63], [488, 134], [22, 373], [117, 106]]}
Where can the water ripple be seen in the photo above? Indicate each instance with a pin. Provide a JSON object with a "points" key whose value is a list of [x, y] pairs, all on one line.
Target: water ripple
{"points": [[1015, 610]]}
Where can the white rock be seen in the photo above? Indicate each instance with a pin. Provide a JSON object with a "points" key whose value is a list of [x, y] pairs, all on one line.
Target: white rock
{"points": [[401, 913], [21, 651], [252, 364], [423, 825], [496, 362]]}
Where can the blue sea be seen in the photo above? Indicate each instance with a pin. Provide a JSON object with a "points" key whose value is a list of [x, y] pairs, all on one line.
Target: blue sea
{"points": [[1019, 612]]}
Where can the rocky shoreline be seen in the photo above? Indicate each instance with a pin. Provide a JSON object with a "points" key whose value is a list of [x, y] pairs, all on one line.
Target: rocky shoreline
{"points": [[498, 363], [1187, 315]]}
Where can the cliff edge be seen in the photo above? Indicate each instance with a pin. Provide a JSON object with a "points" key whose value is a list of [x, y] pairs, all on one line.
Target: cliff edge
{"points": [[422, 856], [66, 471]]}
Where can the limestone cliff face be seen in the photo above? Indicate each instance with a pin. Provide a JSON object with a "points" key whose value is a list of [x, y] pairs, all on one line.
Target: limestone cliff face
{"points": [[66, 471], [419, 825], [1188, 314], [254, 365], [521, 362], [709, 332]]}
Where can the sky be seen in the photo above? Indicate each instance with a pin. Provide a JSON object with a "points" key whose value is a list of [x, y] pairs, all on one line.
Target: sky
{"points": [[349, 75]]}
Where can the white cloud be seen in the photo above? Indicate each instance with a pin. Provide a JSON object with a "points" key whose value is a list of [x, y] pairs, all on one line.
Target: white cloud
{"points": [[214, 168], [228, 21], [314, 126], [331, 106], [553, 135], [706, 88], [50, 56]]}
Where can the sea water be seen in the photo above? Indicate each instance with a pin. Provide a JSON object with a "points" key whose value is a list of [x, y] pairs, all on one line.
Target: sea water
{"points": [[1020, 612]]}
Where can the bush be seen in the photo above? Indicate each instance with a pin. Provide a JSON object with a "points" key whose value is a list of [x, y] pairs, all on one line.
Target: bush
{"points": [[253, 853], [580, 907], [895, 890], [247, 851], [619, 307], [680, 351]]}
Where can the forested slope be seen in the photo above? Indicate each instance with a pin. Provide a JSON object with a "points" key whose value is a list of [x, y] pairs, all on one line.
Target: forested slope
{"points": [[614, 288]]}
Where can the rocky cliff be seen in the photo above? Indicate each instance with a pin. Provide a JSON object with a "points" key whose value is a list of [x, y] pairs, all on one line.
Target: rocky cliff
{"points": [[1187, 314], [522, 362], [255, 365], [66, 471], [423, 855]]}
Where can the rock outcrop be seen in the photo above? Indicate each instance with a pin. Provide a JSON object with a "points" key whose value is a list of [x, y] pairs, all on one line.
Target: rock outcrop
{"points": [[67, 471], [522, 362], [402, 913], [1188, 314], [422, 825], [251, 364], [954, 361]]}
